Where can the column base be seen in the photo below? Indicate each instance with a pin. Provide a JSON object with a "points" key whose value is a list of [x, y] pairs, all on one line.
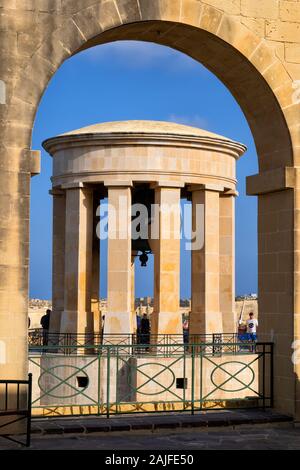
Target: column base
{"points": [[166, 323]]}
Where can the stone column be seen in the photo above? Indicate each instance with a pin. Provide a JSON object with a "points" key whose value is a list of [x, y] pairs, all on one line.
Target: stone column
{"points": [[95, 297], [205, 313], [279, 279], [119, 317], [58, 258], [77, 317], [14, 261], [227, 262], [166, 317]]}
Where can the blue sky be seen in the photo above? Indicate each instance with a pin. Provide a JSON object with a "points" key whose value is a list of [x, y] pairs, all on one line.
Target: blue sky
{"points": [[136, 80]]}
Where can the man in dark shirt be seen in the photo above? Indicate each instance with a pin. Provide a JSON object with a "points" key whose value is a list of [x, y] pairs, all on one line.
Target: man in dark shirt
{"points": [[145, 330], [45, 323]]}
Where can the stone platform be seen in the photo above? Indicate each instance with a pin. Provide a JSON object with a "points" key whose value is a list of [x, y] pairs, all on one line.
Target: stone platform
{"points": [[146, 422]]}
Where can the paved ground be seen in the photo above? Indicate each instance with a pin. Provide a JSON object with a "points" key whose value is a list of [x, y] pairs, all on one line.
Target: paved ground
{"points": [[223, 429], [256, 438]]}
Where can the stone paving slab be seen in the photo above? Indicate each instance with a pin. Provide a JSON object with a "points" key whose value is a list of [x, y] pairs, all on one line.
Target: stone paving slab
{"points": [[223, 438], [204, 420]]}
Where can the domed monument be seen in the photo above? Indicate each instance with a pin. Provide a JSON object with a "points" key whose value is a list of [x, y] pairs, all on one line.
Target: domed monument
{"points": [[154, 164]]}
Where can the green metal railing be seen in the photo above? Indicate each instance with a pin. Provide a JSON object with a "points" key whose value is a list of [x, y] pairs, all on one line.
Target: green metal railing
{"points": [[39, 338], [15, 407], [116, 379]]}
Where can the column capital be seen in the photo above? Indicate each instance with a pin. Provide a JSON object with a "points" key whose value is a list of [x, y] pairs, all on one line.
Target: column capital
{"points": [[118, 184], [206, 187], [167, 184]]}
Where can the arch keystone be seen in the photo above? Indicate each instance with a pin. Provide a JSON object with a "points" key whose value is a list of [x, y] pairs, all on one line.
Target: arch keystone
{"points": [[168, 10], [191, 11], [108, 14], [129, 10], [210, 19]]}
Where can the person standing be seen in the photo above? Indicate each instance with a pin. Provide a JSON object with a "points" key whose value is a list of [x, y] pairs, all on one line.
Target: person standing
{"points": [[145, 330], [252, 325], [185, 331], [45, 323], [138, 328]]}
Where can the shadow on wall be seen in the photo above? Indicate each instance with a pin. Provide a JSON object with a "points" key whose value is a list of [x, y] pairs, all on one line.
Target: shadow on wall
{"points": [[127, 381]]}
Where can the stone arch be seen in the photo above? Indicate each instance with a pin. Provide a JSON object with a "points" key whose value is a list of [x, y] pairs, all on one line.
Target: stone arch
{"points": [[257, 78], [242, 60]]}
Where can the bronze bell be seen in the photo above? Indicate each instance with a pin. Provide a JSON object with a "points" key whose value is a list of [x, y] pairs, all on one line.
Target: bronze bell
{"points": [[143, 195], [143, 259]]}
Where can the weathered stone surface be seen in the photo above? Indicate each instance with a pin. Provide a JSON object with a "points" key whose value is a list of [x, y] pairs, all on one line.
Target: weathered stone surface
{"points": [[233, 7], [129, 10], [242, 39], [256, 25], [210, 19], [292, 53], [290, 11], [283, 31], [260, 9], [191, 12]]}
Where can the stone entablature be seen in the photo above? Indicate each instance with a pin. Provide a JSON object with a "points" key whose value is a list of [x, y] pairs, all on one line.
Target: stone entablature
{"points": [[143, 151]]}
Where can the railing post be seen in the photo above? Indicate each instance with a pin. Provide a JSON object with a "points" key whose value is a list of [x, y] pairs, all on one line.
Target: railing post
{"points": [[201, 376], [264, 376], [272, 375], [108, 382], [99, 381], [193, 381], [29, 400]]}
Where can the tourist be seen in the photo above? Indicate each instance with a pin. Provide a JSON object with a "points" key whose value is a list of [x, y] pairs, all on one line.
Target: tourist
{"points": [[102, 328], [186, 331], [252, 325], [138, 328], [45, 323]]}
